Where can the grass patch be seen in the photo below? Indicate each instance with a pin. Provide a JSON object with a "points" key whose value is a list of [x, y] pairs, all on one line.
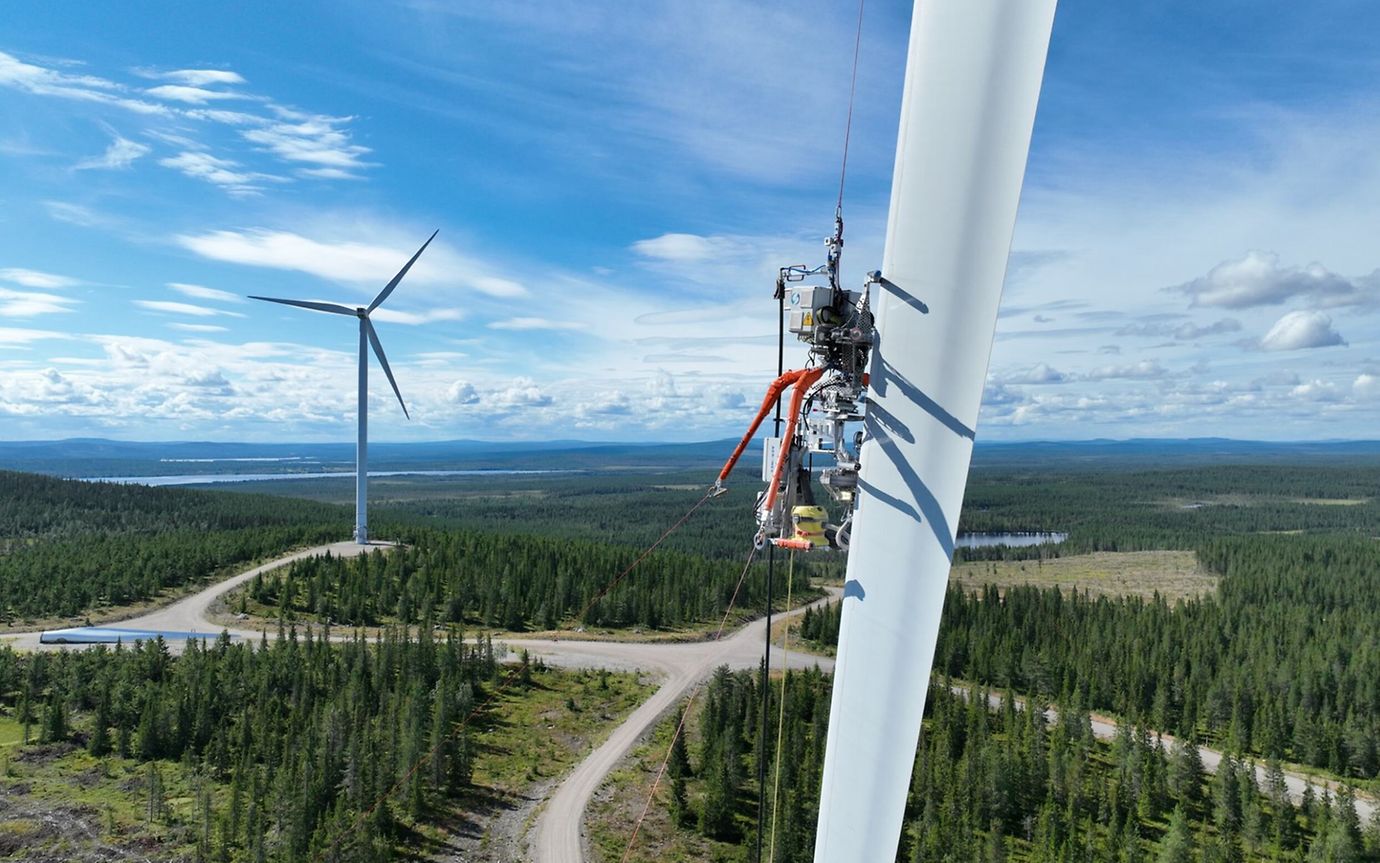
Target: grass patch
{"points": [[1173, 574]]}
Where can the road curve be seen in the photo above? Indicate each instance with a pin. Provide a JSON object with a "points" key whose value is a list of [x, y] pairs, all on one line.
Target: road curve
{"points": [[189, 614], [558, 835]]}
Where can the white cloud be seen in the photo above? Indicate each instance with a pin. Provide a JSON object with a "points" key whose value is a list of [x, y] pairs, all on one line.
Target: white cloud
{"points": [[190, 95], [196, 328], [28, 304], [678, 248], [535, 324], [463, 393], [201, 292], [1041, 373], [42, 81], [1143, 370], [1257, 279], [197, 77], [220, 172], [1316, 391], [521, 393], [1301, 329], [1184, 332], [315, 139], [172, 308], [393, 316], [348, 260], [1366, 386], [17, 336], [121, 153], [36, 279]]}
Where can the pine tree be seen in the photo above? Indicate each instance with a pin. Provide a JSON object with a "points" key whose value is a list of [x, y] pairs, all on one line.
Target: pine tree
{"points": [[1176, 846]]}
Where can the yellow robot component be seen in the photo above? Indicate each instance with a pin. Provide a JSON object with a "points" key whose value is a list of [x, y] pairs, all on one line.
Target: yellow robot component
{"points": [[809, 525]]}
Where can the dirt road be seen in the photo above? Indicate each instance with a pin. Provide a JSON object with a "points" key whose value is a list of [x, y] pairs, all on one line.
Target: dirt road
{"points": [[190, 614], [557, 836]]}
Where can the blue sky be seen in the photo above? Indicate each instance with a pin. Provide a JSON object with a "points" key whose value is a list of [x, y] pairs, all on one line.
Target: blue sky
{"points": [[615, 185]]}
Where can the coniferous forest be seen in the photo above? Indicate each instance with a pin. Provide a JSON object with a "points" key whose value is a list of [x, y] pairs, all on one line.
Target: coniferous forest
{"points": [[69, 547], [513, 582], [283, 750], [1009, 783]]}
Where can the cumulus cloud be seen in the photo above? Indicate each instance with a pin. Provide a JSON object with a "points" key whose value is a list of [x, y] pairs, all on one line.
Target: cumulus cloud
{"points": [[121, 153], [521, 393], [1366, 386], [1143, 370], [1257, 279], [463, 393], [1301, 329], [1316, 391]]}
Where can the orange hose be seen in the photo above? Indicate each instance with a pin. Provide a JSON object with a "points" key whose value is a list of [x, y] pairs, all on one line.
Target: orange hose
{"points": [[773, 393], [806, 379]]}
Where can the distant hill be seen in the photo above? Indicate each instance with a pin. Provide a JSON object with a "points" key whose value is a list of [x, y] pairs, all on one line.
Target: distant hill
{"points": [[94, 457]]}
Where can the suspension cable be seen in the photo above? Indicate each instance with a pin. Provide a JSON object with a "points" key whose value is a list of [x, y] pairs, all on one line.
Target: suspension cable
{"points": [[643, 556], [781, 718], [680, 726], [852, 90]]}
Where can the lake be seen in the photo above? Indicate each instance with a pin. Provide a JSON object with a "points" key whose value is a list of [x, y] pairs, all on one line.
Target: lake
{"points": [[210, 478], [1010, 540]]}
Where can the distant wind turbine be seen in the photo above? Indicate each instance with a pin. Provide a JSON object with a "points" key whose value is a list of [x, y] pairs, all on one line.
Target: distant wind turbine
{"points": [[367, 337]]}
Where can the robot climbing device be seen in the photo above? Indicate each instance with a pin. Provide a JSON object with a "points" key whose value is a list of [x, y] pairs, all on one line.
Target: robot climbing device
{"points": [[827, 394]]}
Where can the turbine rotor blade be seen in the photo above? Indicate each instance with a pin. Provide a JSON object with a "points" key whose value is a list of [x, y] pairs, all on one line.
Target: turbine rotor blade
{"points": [[383, 361], [305, 304], [388, 289]]}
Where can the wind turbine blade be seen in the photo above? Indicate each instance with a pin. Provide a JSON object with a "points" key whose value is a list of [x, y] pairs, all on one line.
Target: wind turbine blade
{"points": [[383, 361], [319, 307], [388, 289]]}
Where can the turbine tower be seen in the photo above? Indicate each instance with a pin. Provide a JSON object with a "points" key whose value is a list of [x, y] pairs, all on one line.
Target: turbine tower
{"points": [[367, 337]]}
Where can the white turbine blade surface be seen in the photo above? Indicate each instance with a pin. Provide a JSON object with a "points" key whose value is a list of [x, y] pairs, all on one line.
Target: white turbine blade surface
{"points": [[972, 82], [383, 361], [307, 304], [388, 288]]}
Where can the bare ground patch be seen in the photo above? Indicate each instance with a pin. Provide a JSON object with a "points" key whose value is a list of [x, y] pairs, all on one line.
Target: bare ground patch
{"points": [[1173, 574]]}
